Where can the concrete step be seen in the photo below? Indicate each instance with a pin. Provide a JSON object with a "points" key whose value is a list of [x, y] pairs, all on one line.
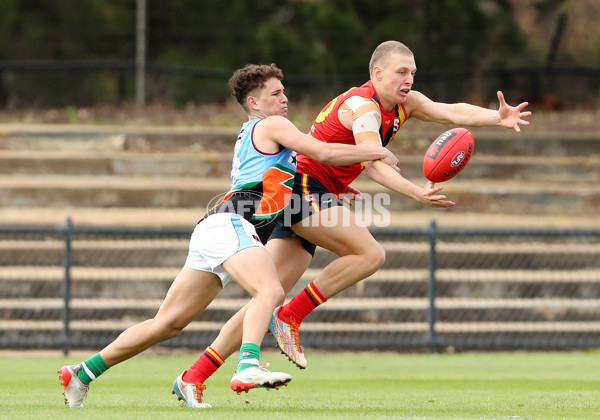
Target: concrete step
{"points": [[475, 254], [35, 162], [108, 191], [491, 196], [20, 282], [555, 169], [559, 144], [123, 217], [444, 327], [111, 138], [171, 139], [340, 310], [486, 282], [187, 217], [100, 252]]}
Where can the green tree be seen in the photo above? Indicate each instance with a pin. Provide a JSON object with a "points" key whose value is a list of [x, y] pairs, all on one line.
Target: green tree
{"points": [[329, 38]]}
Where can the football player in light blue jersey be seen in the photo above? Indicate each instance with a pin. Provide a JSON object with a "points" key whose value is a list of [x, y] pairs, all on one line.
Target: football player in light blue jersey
{"points": [[225, 244]]}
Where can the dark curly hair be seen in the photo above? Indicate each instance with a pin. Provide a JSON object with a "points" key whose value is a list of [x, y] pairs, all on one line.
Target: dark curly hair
{"points": [[251, 78]]}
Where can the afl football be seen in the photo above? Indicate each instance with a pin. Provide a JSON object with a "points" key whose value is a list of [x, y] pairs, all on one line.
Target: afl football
{"points": [[448, 155]]}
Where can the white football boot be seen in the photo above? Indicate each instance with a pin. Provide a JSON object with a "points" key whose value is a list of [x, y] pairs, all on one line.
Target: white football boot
{"points": [[258, 377], [75, 391]]}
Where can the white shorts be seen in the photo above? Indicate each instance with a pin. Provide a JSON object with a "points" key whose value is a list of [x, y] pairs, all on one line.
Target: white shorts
{"points": [[217, 238]]}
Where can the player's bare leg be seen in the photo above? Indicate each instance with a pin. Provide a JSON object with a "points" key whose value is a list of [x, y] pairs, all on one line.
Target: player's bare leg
{"points": [[338, 230], [291, 261], [188, 296], [360, 256], [259, 280], [253, 269]]}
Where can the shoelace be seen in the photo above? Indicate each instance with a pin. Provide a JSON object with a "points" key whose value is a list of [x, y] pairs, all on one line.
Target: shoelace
{"points": [[295, 334], [198, 390], [264, 367]]}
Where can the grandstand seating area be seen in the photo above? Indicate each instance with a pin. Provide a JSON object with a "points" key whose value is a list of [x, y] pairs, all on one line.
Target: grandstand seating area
{"points": [[492, 292]]}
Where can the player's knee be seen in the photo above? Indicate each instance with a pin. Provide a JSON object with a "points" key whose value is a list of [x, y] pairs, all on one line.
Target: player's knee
{"points": [[375, 257], [166, 330], [172, 332], [277, 295], [380, 255], [273, 295]]}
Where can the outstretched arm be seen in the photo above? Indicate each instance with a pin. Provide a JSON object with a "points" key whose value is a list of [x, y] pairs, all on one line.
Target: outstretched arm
{"points": [[423, 108], [384, 175], [365, 121], [280, 131]]}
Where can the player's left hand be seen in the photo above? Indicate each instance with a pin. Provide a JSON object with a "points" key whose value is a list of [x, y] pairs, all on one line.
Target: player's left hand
{"points": [[429, 195], [512, 116], [350, 194]]}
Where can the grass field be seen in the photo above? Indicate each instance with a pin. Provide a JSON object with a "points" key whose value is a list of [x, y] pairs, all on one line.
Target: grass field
{"points": [[335, 385]]}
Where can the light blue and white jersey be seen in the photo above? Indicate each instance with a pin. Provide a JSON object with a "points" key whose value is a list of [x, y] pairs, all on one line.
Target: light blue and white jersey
{"points": [[250, 165], [261, 183]]}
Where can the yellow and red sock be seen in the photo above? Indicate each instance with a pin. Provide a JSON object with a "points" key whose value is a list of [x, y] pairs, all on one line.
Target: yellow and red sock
{"points": [[203, 367], [302, 304]]}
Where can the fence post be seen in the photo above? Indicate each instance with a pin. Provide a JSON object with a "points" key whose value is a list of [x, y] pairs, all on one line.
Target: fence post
{"points": [[67, 287], [140, 55], [432, 285]]}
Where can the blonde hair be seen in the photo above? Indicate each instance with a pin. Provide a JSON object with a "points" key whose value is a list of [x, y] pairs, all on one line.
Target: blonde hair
{"points": [[383, 52]]}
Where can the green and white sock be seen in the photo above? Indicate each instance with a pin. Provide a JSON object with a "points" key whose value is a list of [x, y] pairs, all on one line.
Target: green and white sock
{"points": [[249, 356], [91, 369]]}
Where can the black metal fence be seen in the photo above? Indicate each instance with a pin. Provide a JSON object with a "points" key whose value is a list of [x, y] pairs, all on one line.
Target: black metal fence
{"points": [[98, 82], [78, 287]]}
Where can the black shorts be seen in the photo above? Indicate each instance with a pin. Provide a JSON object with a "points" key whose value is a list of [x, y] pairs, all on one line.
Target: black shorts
{"points": [[309, 196]]}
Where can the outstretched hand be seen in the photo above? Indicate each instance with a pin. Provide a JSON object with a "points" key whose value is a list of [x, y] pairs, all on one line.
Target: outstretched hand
{"points": [[430, 196], [512, 116]]}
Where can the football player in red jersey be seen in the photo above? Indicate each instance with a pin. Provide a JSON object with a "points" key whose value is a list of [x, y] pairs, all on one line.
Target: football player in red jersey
{"points": [[372, 112]]}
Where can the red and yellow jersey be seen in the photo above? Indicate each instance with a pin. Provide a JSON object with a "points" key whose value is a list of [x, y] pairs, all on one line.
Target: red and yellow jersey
{"points": [[328, 128]]}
